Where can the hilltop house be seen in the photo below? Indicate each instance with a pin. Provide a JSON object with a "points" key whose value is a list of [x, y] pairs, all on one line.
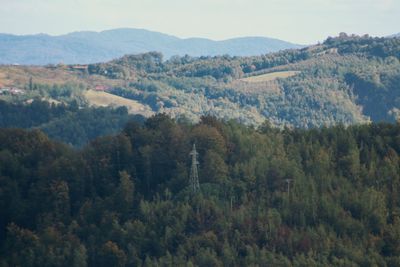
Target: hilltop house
{"points": [[16, 91], [79, 67], [11, 90], [101, 88]]}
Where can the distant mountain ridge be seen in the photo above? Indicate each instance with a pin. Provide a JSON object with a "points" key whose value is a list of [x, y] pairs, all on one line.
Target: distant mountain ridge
{"points": [[90, 47]]}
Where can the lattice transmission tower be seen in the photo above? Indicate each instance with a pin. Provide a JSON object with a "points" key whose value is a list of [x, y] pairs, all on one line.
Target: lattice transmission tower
{"points": [[194, 175]]}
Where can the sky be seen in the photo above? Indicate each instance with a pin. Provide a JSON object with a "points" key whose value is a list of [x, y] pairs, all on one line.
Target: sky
{"points": [[298, 21]]}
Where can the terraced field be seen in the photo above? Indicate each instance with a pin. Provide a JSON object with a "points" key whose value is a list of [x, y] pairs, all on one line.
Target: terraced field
{"points": [[270, 76], [104, 99]]}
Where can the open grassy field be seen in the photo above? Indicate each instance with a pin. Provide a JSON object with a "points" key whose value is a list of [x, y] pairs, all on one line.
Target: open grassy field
{"points": [[19, 76], [270, 76], [104, 99]]}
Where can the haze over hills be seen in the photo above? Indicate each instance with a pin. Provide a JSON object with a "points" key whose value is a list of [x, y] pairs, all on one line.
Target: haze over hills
{"points": [[90, 47]]}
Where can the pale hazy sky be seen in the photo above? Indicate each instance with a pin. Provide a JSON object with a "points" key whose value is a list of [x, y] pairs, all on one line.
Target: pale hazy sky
{"points": [[300, 21]]}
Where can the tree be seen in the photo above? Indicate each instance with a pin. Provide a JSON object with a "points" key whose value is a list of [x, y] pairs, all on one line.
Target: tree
{"points": [[124, 194], [111, 255], [59, 192], [214, 169]]}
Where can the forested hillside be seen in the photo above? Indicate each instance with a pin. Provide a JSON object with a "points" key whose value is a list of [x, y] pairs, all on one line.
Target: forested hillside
{"points": [[345, 80], [66, 123], [268, 197]]}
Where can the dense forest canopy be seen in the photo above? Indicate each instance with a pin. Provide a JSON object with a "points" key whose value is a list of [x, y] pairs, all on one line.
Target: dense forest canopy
{"points": [[268, 197], [67, 123]]}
